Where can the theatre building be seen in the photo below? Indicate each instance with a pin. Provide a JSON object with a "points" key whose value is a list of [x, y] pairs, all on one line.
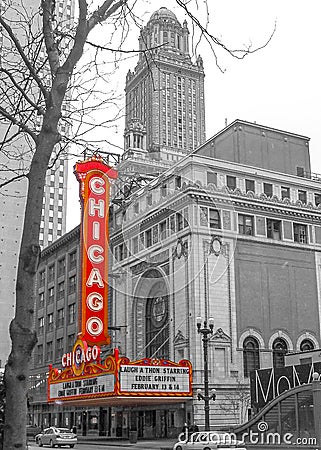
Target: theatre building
{"points": [[232, 231]]}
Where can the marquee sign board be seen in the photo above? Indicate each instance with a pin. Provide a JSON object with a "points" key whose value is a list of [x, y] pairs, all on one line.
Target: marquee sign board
{"points": [[118, 377], [93, 176]]}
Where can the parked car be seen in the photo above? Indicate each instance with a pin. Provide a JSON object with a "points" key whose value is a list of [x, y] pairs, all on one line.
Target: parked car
{"points": [[208, 440], [53, 436]]}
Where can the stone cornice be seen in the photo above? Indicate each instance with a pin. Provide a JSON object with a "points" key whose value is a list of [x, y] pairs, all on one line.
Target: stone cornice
{"points": [[61, 242]]}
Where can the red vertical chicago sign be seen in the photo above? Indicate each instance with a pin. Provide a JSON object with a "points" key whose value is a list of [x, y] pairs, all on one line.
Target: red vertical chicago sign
{"points": [[93, 176]]}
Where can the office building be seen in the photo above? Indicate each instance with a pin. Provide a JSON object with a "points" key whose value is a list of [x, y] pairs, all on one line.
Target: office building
{"points": [[15, 155]]}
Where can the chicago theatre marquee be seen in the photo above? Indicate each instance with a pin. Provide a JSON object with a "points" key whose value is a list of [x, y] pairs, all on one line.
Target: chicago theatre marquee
{"points": [[88, 389]]}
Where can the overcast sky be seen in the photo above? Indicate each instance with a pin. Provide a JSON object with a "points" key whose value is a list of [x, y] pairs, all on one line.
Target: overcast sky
{"points": [[278, 86]]}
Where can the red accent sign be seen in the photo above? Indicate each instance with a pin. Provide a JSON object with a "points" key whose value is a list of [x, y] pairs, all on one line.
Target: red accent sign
{"points": [[93, 176]]}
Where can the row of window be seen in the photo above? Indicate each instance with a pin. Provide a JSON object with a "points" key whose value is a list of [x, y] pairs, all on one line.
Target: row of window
{"points": [[48, 325], [164, 191], [174, 223], [271, 228], [251, 353], [61, 268], [49, 356], [71, 289], [268, 188]]}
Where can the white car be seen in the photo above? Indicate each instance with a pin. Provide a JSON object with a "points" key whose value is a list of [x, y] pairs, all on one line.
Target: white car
{"points": [[56, 436], [208, 440]]}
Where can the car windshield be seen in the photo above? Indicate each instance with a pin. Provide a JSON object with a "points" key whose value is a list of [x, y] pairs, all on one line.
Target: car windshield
{"points": [[63, 430]]}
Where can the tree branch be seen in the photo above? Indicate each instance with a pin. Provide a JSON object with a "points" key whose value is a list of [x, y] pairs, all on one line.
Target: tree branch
{"points": [[22, 91], [23, 56], [19, 124], [48, 8], [17, 177]]}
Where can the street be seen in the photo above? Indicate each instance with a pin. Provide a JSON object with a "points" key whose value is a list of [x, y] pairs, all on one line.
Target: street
{"points": [[141, 445], [87, 446]]}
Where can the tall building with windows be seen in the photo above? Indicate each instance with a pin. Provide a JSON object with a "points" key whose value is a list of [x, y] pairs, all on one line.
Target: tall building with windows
{"points": [[15, 156], [165, 112]]}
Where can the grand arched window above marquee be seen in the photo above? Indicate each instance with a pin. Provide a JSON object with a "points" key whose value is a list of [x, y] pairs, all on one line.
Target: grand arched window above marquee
{"points": [[306, 345], [280, 348], [251, 355], [157, 327]]}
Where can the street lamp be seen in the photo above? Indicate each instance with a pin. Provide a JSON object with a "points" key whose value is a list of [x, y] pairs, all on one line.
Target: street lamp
{"points": [[206, 331]]}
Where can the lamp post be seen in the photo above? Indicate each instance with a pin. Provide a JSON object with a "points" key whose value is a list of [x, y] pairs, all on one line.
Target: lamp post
{"points": [[206, 331]]}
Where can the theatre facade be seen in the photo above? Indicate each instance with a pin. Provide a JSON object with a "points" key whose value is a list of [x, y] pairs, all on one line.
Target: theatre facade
{"points": [[231, 231]]}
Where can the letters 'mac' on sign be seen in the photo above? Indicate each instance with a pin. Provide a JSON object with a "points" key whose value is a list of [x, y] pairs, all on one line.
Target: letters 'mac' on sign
{"points": [[93, 176]]}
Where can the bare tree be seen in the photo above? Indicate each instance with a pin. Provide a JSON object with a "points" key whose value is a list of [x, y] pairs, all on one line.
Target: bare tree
{"points": [[236, 404], [46, 64]]}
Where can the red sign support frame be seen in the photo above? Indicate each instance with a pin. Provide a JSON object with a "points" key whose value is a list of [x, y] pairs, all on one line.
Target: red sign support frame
{"points": [[94, 191]]}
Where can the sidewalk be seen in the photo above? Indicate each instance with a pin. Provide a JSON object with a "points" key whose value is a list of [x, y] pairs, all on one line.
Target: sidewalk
{"points": [[121, 442]]}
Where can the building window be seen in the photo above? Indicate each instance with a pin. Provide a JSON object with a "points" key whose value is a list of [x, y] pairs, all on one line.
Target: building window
{"points": [[214, 219], [148, 238], [164, 190], [285, 192], [51, 294], [49, 352], [59, 348], [41, 300], [300, 171], [50, 324], [121, 252], [61, 290], [251, 355], [72, 285], [317, 199], [61, 267], [211, 177], [302, 196], [268, 189], [149, 199], [135, 245], [71, 313], [71, 341], [60, 317], [249, 185], [136, 208], [178, 182], [280, 349], [300, 233], [72, 260], [231, 182], [179, 222], [245, 224], [41, 325], [157, 327], [39, 357], [51, 272], [42, 277], [306, 345], [163, 230], [273, 228]]}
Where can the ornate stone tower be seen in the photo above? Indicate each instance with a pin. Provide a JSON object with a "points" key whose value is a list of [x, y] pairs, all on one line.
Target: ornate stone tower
{"points": [[165, 93]]}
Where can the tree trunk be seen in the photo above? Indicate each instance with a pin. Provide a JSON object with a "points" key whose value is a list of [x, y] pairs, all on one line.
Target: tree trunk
{"points": [[21, 328]]}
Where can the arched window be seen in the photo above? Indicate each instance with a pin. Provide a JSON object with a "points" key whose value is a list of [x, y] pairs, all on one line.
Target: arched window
{"points": [[280, 348], [157, 327], [251, 356], [306, 345]]}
